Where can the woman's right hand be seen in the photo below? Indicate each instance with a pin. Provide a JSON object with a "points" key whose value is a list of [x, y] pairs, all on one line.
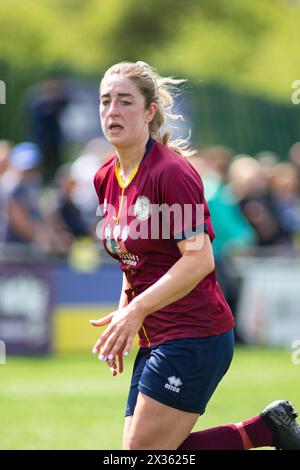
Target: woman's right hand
{"points": [[114, 361], [112, 364]]}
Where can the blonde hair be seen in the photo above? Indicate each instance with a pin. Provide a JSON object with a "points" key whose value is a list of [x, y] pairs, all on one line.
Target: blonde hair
{"points": [[159, 90]]}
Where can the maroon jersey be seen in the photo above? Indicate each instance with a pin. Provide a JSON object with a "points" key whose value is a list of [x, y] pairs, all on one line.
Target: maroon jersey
{"points": [[141, 231]]}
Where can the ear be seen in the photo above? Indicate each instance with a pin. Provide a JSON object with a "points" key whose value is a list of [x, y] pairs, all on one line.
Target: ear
{"points": [[150, 112]]}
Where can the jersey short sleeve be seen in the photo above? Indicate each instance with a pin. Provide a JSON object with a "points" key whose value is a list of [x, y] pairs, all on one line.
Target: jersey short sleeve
{"points": [[181, 193], [98, 187]]}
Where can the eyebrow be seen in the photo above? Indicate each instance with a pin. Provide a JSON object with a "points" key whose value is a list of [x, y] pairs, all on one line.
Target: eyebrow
{"points": [[122, 95]]}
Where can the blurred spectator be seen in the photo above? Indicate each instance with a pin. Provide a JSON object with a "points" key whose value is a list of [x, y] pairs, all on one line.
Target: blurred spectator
{"points": [[233, 232], [8, 178], [284, 194], [198, 162], [44, 104], [248, 180], [83, 171], [294, 156], [268, 160], [65, 206], [230, 225], [218, 159], [246, 177], [26, 224]]}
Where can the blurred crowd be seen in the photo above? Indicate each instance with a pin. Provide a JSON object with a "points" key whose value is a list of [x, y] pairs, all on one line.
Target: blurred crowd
{"points": [[254, 203], [255, 207], [254, 200], [47, 204], [47, 217]]}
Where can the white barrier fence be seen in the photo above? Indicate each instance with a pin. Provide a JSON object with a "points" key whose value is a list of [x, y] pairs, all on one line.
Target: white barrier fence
{"points": [[268, 311], [2, 352], [2, 92]]}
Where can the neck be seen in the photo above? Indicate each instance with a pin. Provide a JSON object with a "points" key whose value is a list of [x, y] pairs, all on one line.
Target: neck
{"points": [[130, 157]]}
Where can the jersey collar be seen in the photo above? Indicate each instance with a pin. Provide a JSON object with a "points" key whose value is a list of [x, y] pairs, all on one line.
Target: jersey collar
{"points": [[123, 185]]}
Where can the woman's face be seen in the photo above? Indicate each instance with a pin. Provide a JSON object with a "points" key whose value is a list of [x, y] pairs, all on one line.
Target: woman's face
{"points": [[124, 119]]}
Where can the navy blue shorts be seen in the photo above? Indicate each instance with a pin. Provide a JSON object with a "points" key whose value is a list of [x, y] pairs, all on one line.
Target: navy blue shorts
{"points": [[182, 373]]}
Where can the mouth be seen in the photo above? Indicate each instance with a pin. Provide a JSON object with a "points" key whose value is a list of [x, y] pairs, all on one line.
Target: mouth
{"points": [[115, 127]]}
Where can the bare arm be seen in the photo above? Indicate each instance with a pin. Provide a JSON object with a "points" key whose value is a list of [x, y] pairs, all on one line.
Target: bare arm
{"points": [[20, 222], [182, 278], [49, 239], [123, 297], [193, 266]]}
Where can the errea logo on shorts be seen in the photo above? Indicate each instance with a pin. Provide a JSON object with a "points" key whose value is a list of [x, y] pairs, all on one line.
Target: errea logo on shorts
{"points": [[174, 384]]}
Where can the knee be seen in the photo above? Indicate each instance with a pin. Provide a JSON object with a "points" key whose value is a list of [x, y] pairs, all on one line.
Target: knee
{"points": [[137, 443], [126, 444]]}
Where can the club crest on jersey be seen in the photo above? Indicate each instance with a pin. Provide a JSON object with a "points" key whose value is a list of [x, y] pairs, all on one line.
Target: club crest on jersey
{"points": [[142, 208]]}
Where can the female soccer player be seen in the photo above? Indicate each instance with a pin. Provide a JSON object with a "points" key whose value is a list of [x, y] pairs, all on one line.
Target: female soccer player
{"points": [[156, 223]]}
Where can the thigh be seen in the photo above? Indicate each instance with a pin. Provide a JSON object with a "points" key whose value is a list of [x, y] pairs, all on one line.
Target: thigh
{"points": [[170, 388], [138, 368], [184, 373], [157, 426]]}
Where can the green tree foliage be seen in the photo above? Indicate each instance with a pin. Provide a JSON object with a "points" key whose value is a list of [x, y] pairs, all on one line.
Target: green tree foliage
{"points": [[249, 44]]}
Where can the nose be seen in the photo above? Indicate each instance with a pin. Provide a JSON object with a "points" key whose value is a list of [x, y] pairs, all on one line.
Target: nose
{"points": [[113, 108]]}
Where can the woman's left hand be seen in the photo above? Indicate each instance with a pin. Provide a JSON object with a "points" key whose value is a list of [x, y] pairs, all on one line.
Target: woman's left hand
{"points": [[118, 337]]}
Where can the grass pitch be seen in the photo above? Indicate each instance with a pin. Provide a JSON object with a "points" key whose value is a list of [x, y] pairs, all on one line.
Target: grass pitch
{"points": [[72, 402]]}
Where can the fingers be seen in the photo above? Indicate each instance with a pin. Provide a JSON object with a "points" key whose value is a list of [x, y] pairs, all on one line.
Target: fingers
{"points": [[97, 347], [114, 342], [121, 364], [111, 362], [128, 345], [113, 345], [112, 365], [110, 343], [102, 321], [101, 341]]}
